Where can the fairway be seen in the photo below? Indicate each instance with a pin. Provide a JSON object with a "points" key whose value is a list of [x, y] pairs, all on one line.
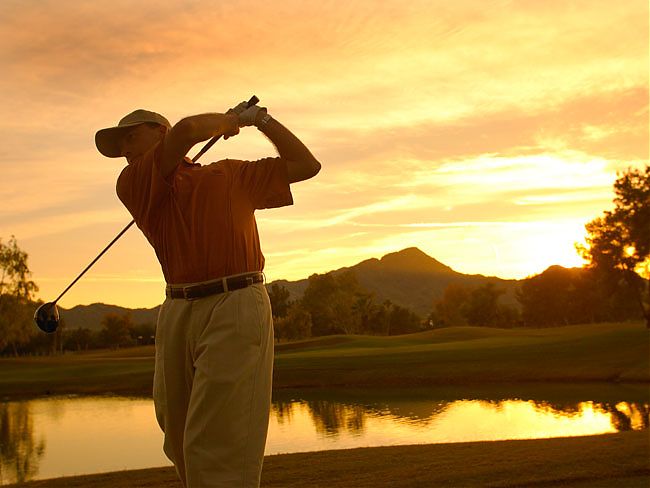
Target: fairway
{"points": [[460, 355], [614, 353]]}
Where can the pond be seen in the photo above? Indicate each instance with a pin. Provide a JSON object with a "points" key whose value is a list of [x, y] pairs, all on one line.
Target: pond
{"points": [[62, 436]]}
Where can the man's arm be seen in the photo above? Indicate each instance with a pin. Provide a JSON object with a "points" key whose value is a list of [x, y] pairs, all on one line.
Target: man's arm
{"points": [[192, 130], [301, 164]]}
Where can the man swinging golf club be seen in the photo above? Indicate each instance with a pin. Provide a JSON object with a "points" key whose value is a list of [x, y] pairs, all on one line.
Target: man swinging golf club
{"points": [[214, 337]]}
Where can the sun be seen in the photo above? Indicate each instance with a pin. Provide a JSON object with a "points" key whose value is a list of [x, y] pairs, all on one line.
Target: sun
{"points": [[551, 244]]}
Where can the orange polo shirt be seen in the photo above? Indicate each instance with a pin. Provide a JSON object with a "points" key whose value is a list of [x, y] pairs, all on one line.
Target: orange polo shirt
{"points": [[200, 220]]}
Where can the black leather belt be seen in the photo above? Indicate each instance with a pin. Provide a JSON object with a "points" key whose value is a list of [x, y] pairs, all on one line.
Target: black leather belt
{"points": [[193, 292]]}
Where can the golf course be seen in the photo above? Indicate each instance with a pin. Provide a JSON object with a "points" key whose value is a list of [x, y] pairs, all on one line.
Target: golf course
{"points": [[573, 362], [598, 353]]}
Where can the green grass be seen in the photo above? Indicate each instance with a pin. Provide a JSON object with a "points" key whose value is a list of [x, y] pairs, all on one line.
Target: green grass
{"points": [[461, 355], [455, 356]]}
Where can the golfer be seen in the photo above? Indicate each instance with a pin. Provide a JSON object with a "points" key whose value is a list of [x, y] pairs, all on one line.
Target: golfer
{"points": [[214, 337]]}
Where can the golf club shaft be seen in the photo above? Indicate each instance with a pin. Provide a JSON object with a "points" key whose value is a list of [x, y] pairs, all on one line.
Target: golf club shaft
{"points": [[253, 100], [95, 260]]}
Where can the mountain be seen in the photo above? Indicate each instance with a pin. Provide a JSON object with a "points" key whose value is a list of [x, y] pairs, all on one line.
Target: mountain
{"points": [[409, 278], [91, 316]]}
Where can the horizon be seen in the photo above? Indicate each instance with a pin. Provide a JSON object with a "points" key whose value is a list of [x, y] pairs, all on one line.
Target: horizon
{"points": [[325, 272], [484, 134]]}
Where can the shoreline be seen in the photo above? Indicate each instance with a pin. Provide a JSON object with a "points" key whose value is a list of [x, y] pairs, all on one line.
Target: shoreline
{"points": [[620, 459], [509, 385]]}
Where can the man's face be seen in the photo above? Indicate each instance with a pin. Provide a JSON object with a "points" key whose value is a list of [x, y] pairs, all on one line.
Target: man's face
{"points": [[139, 140]]}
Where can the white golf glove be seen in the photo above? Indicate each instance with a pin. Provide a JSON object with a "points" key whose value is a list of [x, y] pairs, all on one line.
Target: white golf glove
{"points": [[249, 115], [239, 108]]}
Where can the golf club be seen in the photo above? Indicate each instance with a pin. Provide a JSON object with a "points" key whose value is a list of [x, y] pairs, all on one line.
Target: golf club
{"points": [[47, 315]]}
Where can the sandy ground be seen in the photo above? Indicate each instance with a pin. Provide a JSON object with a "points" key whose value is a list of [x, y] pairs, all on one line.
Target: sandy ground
{"points": [[612, 460]]}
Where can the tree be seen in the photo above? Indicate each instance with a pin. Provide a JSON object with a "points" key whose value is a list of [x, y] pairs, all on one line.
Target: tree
{"points": [[279, 297], [482, 306], [562, 296], [402, 321], [330, 300], [364, 311], [16, 295], [295, 325], [143, 334], [379, 322], [338, 304], [461, 305], [618, 243], [78, 339], [448, 311], [116, 330], [545, 298]]}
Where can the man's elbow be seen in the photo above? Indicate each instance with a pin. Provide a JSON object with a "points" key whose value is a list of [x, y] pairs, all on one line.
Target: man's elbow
{"points": [[310, 169], [315, 168], [302, 170]]}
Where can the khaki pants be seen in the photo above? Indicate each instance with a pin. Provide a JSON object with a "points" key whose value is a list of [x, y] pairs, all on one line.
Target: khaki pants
{"points": [[212, 386]]}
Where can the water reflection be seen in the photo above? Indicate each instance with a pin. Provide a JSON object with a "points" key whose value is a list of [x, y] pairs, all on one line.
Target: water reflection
{"points": [[328, 417], [628, 416], [63, 436], [20, 451], [458, 421], [97, 434]]}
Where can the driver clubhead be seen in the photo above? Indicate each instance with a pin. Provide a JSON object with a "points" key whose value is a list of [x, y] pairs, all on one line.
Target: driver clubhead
{"points": [[47, 317]]}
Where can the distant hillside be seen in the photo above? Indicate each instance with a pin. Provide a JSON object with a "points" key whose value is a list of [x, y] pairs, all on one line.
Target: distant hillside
{"points": [[90, 316], [409, 278]]}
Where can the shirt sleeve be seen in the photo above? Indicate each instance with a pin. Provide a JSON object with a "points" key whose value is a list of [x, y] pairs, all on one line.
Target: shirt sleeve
{"points": [[265, 181], [142, 188]]}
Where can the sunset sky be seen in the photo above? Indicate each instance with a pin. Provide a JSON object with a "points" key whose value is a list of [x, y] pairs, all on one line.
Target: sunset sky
{"points": [[484, 132]]}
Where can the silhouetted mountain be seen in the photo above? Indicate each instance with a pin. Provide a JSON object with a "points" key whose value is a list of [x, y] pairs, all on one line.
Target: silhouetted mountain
{"points": [[91, 316], [409, 278]]}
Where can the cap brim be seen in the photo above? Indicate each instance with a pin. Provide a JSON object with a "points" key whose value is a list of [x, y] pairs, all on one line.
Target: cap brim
{"points": [[108, 140]]}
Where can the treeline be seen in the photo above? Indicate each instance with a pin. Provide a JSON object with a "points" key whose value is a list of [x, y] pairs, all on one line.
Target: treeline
{"points": [[337, 304], [117, 330], [556, 297], [561, 296]]}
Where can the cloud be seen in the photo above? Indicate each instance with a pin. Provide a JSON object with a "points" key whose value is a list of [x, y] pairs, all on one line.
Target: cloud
{"points": [[437, 123], [610, 125]]}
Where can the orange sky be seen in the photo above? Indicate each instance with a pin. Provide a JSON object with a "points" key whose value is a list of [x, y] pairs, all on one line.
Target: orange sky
{"points": [[486, 133]]}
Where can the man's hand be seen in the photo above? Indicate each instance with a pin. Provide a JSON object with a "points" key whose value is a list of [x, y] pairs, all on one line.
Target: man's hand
{"points": [[230, 126], [301, 164], [239, 108], [251, 116]]}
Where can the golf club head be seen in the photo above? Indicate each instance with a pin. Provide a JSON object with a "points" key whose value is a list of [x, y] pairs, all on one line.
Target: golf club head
{"points": [[47, 317]]}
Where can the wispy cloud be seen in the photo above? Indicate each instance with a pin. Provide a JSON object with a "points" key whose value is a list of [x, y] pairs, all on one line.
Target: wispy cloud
{"points": [[439, 124]]}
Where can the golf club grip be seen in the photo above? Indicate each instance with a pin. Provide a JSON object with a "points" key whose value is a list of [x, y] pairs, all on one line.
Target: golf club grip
{"points": [[252, 101]]}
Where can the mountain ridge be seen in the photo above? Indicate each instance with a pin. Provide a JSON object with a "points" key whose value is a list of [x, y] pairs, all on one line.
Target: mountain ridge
{"points": [[409, 278]]}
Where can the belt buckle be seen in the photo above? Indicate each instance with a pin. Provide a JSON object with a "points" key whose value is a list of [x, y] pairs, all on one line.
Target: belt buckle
{"points": [[250, 281], [185, 291]]}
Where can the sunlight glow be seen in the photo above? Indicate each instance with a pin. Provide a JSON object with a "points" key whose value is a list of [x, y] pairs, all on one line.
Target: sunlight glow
{"points": [[500, 120]]}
